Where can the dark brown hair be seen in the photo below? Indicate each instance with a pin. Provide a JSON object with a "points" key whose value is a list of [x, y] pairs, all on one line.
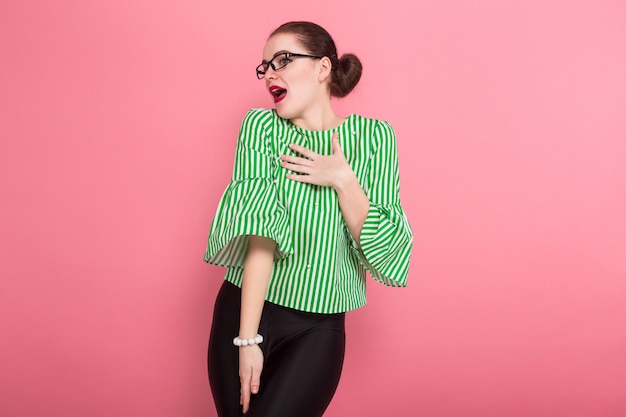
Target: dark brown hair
{"points": [[346, 71]]}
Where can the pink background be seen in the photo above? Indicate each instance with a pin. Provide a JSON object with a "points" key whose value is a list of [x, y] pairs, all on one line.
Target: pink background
{"points": [[119, 119]]}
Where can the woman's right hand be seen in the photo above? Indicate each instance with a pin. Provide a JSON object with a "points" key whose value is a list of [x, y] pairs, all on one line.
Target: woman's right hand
{"points": [[250, 367]]}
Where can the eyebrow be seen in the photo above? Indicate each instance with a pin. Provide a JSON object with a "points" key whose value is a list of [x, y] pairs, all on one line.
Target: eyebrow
{"points": [[275, 55]]}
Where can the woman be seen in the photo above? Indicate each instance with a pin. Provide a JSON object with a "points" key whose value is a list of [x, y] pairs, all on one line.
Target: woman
{"points": [[312, 204]]}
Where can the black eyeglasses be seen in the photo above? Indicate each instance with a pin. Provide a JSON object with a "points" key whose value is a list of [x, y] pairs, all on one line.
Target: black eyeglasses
{"points": [[283, 60]]}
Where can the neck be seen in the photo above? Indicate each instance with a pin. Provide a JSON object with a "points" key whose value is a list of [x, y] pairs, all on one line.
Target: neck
{"points": [[318, 118]]}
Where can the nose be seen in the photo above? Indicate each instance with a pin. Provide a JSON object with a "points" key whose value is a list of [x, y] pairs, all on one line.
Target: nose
{"points": [[270, 74]]}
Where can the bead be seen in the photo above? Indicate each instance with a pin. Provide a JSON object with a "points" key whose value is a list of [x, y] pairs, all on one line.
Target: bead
{"points": [[237, 341]]}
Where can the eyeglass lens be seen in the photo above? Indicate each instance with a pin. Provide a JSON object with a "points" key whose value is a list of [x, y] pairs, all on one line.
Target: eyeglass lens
{"points": [[278, 62]]}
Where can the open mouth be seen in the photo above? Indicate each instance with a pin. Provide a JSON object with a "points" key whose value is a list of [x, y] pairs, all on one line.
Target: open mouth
{"points": [[278, 93]]}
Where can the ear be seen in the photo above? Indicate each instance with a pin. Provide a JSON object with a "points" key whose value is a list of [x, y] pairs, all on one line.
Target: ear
{"points": [[325, 68]]}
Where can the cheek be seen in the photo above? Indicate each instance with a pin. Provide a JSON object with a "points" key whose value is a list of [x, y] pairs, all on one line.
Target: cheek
{"points": [[303, 77], [304, 88]]}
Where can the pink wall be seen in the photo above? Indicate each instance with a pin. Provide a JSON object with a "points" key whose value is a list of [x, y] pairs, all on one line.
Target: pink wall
{"points": [[118, 122]]}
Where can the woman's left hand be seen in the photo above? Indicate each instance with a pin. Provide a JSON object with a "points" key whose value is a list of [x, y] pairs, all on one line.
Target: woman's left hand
{"points": [[326, 170]]}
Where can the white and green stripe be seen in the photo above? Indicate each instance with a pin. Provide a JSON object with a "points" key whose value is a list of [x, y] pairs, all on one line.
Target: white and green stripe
{"points": [[318, 266]]}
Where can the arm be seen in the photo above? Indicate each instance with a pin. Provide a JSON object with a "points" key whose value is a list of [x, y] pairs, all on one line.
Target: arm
{"points": [[250, 230], [256, 277], [250, 205], [353, 203], [385, 243]]}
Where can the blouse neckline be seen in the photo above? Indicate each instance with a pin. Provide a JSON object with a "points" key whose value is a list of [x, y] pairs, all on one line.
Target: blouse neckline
{"points": [[308, 132]]}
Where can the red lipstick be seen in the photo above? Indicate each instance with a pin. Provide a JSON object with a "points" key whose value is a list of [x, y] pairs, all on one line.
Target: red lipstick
{"points": [[278, 93]]}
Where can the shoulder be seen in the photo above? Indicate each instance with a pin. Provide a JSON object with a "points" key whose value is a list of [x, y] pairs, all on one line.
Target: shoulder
{"points": [[257, 131], [259, 113], [380, 132], [258, 119], [370, 123], [384, 133]]}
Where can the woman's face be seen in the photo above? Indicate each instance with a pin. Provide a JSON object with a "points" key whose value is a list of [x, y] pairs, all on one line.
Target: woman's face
{"points": [[297, 86]]}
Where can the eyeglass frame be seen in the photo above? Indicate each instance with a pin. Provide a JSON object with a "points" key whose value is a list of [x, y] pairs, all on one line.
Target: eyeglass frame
{"points": [[266, 65]]}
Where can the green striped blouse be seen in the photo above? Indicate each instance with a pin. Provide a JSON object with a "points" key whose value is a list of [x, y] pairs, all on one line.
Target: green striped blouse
{"points": [[318, 266]]}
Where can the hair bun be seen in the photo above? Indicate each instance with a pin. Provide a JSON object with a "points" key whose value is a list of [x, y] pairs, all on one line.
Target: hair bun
{"points": [[346, 75]]}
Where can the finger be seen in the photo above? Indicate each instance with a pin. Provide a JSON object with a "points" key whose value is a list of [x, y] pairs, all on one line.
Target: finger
{"points": [[245, 392], [336, 145], [303, 151], [246, 403], [296, 168], [296, 160], [302, 178], [255, 384]]}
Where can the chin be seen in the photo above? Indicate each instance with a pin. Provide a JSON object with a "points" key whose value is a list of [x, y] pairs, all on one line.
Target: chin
{"points": [[285, 113]]}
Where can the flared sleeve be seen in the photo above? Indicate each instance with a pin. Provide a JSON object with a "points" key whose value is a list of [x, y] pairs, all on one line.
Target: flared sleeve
{"points": [[386, 238], [250, 204]]}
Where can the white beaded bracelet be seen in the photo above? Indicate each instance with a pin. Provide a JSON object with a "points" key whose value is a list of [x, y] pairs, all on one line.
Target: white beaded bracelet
{"points": [[248, 342]]}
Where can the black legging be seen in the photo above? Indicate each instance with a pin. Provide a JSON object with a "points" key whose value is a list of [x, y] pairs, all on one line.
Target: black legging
{"points": [[303, 356]]}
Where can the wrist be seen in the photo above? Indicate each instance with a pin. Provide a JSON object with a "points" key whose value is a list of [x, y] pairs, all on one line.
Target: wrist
{"points": [[242, 342], [343, 183], [247, 333]]}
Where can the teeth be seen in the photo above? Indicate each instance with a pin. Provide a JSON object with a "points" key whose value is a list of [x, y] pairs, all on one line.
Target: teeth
{"points": [[278, 92]]}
